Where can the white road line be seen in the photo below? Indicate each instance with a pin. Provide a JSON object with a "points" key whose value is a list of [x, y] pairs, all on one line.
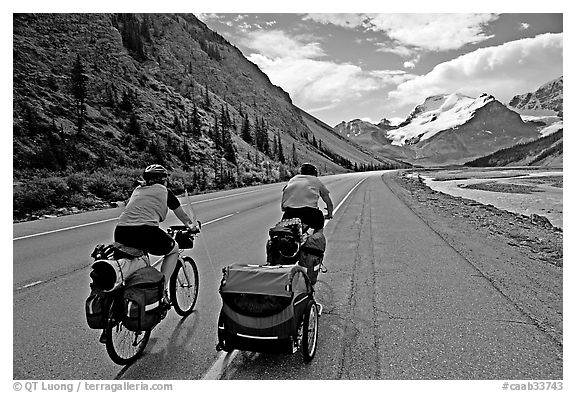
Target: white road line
{"points": [[30, 285], [347, 195], [220, 366], [112, 219], [64, 229], [225, 358]]}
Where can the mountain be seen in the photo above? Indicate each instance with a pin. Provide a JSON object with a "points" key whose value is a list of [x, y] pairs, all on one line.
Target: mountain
{"points": [[96, 97], [545, 151], [355, 128], [450, 129], [332, 140], [547, 99]]}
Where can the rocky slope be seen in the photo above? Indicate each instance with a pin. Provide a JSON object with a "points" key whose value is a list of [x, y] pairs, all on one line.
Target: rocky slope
{"points": [[102, 95], [548, 97]]}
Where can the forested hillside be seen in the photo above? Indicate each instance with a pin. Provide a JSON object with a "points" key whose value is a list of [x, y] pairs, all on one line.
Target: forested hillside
{"points": [[99, 96]]}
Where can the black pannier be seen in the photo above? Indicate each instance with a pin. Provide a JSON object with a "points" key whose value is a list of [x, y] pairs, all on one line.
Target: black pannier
{"points": [[97, 307], [143, 293]]}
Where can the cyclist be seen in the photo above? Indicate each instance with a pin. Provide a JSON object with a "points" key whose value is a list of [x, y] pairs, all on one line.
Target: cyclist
{"points": [[139, 224], [300, 198]]}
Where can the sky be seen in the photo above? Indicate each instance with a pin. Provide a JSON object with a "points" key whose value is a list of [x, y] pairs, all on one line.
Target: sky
{"points": [[344, 66]]}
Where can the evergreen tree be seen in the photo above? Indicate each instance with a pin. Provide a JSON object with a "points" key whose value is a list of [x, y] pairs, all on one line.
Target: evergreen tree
{"points": [[294, 155], [79, 91], [133, 127], [206, 99], [227, 146], [281, 157], [196, 130], [246, 135]]}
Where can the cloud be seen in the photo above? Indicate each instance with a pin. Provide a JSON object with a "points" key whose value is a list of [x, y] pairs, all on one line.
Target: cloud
{"points": [[434, 32], [524, 26], [296, 66], [277, 44], [506, 70], [399, 50], [409, 64], [345, 20], [410, 32]]}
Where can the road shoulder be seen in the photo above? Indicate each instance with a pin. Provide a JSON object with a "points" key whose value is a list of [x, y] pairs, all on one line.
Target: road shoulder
{"points": [[522, 259]]}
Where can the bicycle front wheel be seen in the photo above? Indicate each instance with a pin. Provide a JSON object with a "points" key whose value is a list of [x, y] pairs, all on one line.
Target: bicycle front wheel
{"points": [[123, 345], [184, 286]]}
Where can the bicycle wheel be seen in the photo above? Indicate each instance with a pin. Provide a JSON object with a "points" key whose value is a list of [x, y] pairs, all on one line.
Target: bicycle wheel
{"points": [[123, 345], [310, 331], [184, 286]]}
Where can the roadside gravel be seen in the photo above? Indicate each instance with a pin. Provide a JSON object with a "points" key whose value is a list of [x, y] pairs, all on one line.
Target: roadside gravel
{"points": [[520, 256]]}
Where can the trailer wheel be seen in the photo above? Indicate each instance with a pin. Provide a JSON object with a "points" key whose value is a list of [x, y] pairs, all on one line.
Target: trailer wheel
{"points": [[310, 331], [222, 336]]}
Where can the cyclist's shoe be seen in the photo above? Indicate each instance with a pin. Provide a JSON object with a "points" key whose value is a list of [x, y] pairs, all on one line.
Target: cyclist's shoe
{"points": [[164, 305], [102, 338]]}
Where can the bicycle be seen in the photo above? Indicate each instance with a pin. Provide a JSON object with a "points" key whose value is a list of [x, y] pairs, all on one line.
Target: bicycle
{"points": [[124, 345]]}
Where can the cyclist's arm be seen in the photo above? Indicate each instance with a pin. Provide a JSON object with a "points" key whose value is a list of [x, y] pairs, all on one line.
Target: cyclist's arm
{"points": [[184, 218], [174, 204], [325, 195]]}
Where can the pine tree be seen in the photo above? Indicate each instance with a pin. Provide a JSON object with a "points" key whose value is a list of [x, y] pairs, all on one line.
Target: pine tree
{"points": [[206, 99], [294, 155], [281, 157], [79, 91], [196, 130], [246, 135]]}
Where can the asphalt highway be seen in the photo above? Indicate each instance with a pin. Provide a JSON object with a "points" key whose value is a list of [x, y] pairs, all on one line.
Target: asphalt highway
{"points": [[399, 302]]}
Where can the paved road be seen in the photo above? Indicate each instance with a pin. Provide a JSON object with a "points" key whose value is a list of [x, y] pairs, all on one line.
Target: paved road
{"points": [[400, 303]]}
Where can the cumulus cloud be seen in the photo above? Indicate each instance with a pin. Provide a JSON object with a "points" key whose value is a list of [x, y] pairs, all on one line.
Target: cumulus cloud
{"points": [[277, 44], [435, 32], [503, 71], [410, 32], [296, 66]]}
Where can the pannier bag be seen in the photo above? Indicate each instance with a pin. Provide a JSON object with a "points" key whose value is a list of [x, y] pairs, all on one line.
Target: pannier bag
{"points": [[312, 254], [284, 244], [143, 292], [114, 264], [97, 307]]}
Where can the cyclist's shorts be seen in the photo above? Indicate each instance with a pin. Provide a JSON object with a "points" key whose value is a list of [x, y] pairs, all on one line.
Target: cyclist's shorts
{"points": [[147, 238], [309, 216]]}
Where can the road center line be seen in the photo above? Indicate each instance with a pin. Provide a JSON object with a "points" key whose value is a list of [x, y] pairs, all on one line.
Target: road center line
{"points": [[64, 229], [112, 219]]}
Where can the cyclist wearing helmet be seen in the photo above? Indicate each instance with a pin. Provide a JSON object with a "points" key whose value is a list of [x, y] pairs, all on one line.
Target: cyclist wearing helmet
{"points": [[300, 198], [139, 224]]}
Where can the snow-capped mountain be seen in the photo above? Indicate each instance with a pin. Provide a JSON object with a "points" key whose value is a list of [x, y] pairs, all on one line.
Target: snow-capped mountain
{"points": [[437, 113], [543, 107], [449, 129], [546, 100], [356, 128]]}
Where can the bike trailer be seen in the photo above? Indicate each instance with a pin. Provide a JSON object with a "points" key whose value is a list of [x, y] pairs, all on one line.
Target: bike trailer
{"points": [[264, 308]]}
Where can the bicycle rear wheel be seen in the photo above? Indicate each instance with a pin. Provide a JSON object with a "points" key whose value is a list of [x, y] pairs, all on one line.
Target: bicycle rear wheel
{"points": [[184, 286], [123, 345]]}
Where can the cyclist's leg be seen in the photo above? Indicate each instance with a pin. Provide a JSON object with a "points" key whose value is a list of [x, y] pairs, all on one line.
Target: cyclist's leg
{"points": [[169, 264]]}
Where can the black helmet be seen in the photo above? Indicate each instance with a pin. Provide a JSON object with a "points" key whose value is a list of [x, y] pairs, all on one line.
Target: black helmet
{"points": [[308, 169], [155, 172]]}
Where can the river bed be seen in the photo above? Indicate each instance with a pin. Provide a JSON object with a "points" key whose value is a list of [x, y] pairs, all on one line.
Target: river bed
{"points": [[523, 191]]}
